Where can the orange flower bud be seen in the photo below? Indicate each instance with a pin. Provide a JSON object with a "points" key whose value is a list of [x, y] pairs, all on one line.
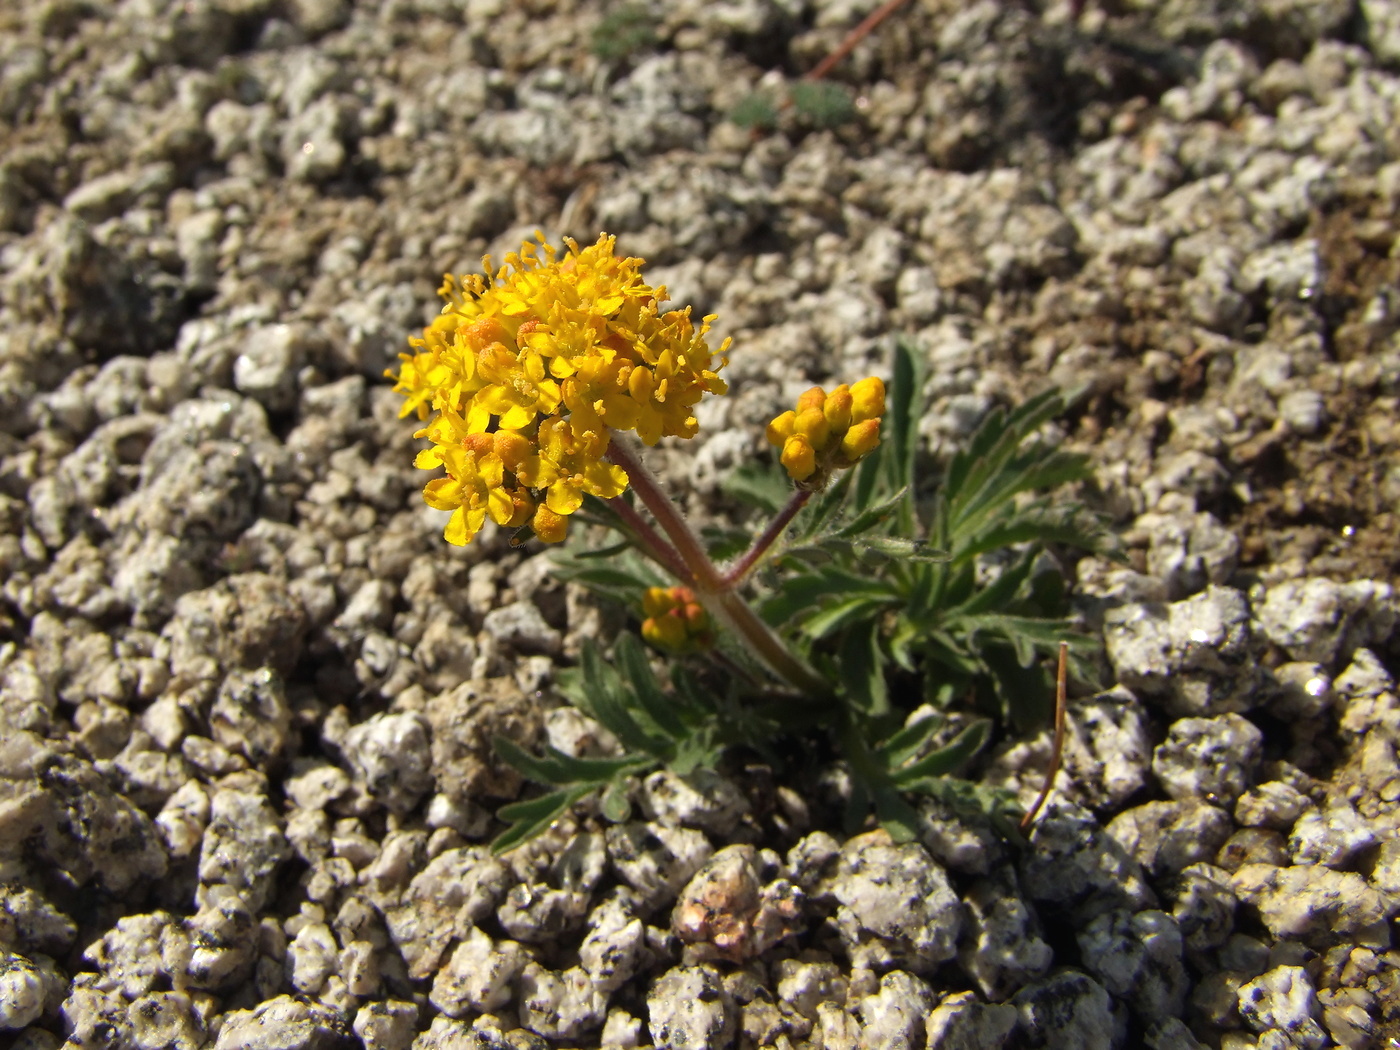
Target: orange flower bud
{"points": [[656, 601], [548, 526], [838, 408], [781, 429], [814, 397], [697, 620], [665, 632], [480, 444], [861, 439], [812, 425], [868, 400], [799, 458], [523, 508], [513, 448], [484, 332], [675, 620]]}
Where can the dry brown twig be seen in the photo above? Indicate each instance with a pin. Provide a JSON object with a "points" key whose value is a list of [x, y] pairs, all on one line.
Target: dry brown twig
{"points": [[1057, 748], [854, 37]]}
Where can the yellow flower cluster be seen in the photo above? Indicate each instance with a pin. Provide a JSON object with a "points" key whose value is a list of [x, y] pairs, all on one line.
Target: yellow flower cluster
{"points": [[829, 432], [675, 621], [528, 372]]}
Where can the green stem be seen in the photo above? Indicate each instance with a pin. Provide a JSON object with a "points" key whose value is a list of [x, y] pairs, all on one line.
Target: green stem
{"points": [[715, 592]]}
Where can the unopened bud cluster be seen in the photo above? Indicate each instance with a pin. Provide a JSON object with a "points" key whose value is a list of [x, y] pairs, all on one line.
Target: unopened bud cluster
{"points": [[829, 432], [675, 620]]}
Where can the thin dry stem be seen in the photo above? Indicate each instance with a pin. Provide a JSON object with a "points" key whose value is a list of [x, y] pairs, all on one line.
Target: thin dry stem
{"points": [[1057, 748], [856, 35]]}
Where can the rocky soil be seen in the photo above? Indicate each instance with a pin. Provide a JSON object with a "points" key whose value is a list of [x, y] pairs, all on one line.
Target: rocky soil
{"points": [[246, 690]]}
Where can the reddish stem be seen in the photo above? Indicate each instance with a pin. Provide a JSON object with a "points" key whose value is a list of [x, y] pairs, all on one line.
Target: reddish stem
{"points": [[651, 540], [717, 595], [855, 36], [1057, 748], [740, 568]]}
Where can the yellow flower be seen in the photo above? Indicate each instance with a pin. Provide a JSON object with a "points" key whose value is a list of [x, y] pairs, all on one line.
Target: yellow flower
{"points": [[828, 432], [556, 353]]}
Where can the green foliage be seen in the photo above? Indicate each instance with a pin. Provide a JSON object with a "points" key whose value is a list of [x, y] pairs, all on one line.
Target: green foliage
{"points": [[677, 727], [624, 31], [756, 110], [818, 104], [931, 610], [822, 103]]}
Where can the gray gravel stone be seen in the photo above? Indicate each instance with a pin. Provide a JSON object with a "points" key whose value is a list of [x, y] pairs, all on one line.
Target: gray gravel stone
{"points": [[390, 757], [960, 1021], [520, 626], [1305, 690], [895, 906], [1312, 903], [727, 912], [479, 975], [1323, 621], [242, 849], [1165, 837], [70, 819], [1284, 999], [702, 799], [895, 1015], [464, 720], [1106, 756], [1208, 758], [1194, 654], [386, 1025], [690, 1009], [21, 991], [656, 861], [1333, 836], [267, 365], [1068, 1008], [250, 715], [1382, 30], [1138, 959], [1076, 866], [283, 1023], [1274, 804], [1204, 906], [1189, 551], [1172, 1034], [1002, 949], [615, 948]]}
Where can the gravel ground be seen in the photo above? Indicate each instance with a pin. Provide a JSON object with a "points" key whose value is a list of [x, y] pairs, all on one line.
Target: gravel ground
{"points": [[246, 689]]}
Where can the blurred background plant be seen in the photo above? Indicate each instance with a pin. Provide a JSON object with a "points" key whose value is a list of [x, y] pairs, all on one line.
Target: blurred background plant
{"points": [[818, 104], [626, 30]]}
